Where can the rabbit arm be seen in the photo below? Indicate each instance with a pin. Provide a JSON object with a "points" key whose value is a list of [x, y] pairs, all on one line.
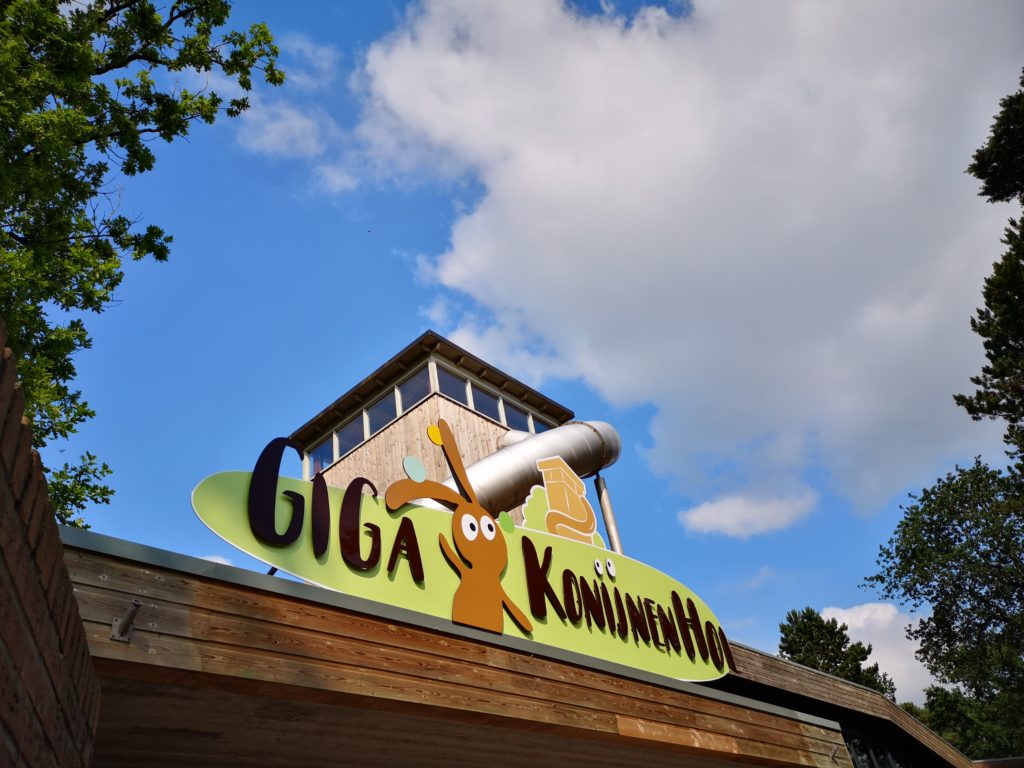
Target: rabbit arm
{"points": [[517, 615], [403, 491], [449, 555]]}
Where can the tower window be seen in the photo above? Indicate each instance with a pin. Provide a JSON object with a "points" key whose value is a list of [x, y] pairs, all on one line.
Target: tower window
{"points": [[322, 456], [451, 385], [351, 434], [406, 394], [415, 388], [516, 418], [382, 413], [486, 403]]}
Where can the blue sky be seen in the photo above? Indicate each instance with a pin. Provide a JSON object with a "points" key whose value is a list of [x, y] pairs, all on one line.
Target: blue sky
{"points": [[742, 236]]}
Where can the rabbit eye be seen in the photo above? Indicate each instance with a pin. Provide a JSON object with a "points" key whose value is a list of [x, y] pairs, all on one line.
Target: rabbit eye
{"points": [[470, 528], [598, 568], [611, 568], [487, 526]]}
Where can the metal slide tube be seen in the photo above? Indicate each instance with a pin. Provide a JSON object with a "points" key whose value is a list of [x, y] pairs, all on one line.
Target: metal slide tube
{"points": [[503, 479]]}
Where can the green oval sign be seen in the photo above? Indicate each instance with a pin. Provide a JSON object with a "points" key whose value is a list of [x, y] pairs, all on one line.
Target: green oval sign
{"points": [[552, 591]]}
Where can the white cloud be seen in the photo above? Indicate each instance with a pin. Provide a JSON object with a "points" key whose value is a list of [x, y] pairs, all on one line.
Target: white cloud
{"points": [[745, 516], [307, 64], [217, 559], [883, 626], [518, 352], [278, 124], [282, 129], [437, 313], [764, 574], [336, 178], [755, 218]]}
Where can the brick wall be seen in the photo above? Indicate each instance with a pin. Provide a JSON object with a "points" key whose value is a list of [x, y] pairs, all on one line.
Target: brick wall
{"points": [[49, 693]]}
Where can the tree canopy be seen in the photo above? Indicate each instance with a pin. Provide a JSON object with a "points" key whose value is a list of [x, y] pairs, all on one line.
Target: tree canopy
{"points": [[978, 728], [958, 552], [86, 88], [999, 165], [809, 639]]}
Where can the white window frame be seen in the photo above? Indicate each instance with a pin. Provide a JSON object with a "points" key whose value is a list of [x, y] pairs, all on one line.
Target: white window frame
{"points": [[468, 379]]}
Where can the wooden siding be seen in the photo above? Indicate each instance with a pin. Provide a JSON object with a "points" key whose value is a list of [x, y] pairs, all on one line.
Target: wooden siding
{"points": [[221, 674], [380, 458], [772, 671]]}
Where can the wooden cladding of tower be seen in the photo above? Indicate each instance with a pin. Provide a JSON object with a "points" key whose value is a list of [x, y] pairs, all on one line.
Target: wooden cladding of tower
{"points": [[369, 430]]}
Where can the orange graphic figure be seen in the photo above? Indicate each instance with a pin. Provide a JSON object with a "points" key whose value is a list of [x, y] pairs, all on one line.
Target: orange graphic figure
{"points": [[480, 555], [569, 513]]}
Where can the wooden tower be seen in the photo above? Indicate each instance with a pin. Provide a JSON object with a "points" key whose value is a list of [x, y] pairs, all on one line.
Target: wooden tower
{"points": [[368, 431]]}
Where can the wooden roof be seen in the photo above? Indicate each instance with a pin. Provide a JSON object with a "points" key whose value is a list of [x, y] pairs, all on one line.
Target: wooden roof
{"points": [[404, 362], [864, 709]]}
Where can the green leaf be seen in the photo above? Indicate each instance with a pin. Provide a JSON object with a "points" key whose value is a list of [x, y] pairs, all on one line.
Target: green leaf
{"points": [[82, 95]]}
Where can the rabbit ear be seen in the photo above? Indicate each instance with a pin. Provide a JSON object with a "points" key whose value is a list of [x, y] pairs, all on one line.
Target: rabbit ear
{"points": [[403, 491], [454, 459]]}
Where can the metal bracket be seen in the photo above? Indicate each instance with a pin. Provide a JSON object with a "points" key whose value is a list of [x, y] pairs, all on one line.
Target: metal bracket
{"points": [[614, 543], [123, 627]]}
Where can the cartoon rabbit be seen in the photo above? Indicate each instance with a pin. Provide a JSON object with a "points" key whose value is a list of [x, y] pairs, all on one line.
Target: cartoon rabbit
{"points": [[480, 554]]}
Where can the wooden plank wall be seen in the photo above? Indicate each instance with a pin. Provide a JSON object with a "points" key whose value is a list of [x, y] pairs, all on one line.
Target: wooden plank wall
{"points": [[778, 673], [223, 632], [380, 458]]}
